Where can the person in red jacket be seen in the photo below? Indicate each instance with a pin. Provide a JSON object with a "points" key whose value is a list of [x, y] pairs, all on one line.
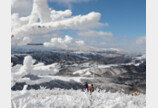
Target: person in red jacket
{"points": [[91, 88]]}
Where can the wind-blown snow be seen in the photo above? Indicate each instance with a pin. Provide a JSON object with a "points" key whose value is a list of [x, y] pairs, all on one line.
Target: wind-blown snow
{"points": [[43, 20], [40, 10], [42, 73], [45, 98], [28, 67]]}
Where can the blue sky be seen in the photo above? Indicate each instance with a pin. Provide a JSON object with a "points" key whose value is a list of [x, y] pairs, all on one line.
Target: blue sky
{"points": [[126, 20], [122, 23], [125, 17]]}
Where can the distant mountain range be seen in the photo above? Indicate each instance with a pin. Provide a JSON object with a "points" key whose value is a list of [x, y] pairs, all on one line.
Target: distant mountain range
{"points": [[109, 56], [110, 69]]}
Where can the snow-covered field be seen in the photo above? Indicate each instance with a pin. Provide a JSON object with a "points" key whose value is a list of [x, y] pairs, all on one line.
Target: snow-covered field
{"points": [[63, 98], [60, 98]]}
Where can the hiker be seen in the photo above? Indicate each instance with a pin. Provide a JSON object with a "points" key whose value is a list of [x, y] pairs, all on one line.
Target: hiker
{"points": [[91, 88], [86, 86], [134, 94]]}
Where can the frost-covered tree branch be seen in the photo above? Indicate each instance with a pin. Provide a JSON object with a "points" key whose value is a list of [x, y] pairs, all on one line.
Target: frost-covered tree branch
{"points": [[42, 20]]}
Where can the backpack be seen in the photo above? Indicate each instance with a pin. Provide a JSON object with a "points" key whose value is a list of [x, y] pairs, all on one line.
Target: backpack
{"points": [[91, 89]]}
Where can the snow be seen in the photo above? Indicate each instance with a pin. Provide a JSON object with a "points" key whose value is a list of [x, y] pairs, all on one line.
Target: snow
{"points": [[45, 98], [44, 20], [40, 10], [141, 57], [107, 66], [90, 68], [80, 72], [40, 22], [44, 73], [66, 78], [28, 67]]}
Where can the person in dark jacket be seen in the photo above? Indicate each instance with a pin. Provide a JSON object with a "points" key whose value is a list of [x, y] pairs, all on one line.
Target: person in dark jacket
{"points": [[86, 86]]}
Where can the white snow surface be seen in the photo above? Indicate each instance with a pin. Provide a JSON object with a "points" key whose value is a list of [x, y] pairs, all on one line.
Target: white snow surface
{"points": [[28, 67], [60, 98], [45, 73]]}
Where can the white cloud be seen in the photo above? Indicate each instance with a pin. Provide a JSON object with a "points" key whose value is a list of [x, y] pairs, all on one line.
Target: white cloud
{"points": [[66, 42], [21, 41], [42, 21], [17, 21], [68, 23], [22, 7], [60, 15], [135, 45], [93, 25], [80, 42], [141, 40], [94, 34]]}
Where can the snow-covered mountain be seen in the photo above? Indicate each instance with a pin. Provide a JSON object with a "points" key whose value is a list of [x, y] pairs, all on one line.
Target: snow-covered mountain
{"points": [[123, 69], [119, 74], [108, 56]]}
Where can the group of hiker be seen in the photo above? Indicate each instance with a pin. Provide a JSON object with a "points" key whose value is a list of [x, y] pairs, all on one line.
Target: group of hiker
{"points": [[89, 89]]}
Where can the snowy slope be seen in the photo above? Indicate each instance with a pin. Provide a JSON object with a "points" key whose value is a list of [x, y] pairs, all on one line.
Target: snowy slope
{"points": [[60, 98], [64, 89]]}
